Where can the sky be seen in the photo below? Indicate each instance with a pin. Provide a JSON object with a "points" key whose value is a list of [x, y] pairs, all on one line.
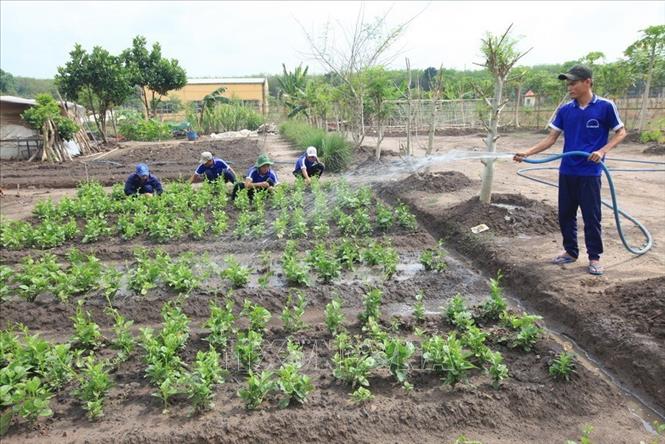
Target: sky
{"points": [[227, 39]]}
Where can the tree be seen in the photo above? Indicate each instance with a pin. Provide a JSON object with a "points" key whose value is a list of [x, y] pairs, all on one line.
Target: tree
{"points": [[428, 79], [7, 83], [366, 45], [647, 53], [45, 116], [292, 85], [99, 78], [500, 57], [379, 88], [209, 102], [149, 71]]}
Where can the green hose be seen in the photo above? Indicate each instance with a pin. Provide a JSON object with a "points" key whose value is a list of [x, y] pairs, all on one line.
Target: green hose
{"points": [[614, 206]]}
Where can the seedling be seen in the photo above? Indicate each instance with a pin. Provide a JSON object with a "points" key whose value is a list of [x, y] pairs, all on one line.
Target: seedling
{"points": [[384, 217], [294, 385], [298, 224], [563, 366], [405, 218], [434, 259], [447, 357], [347, 253], [198, 227], [244, 224], [248, 348], [397, 354], [86, 332], [220, 221], [293, 312], [334, 316], [94, 383], [497, 369], [371, 305], [220, 324], [296, 272], [201, 382], [361, 395], [258, 316], [236, 273], [354, 367], [474, 338], [495, 304], [258, 387], [456, 305], [419, 307], [324, 263], [124, 341], [281, 224]]}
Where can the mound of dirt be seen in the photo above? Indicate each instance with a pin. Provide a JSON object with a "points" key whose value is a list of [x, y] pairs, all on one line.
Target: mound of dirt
{"points": [[507, 215], [641, 303], [656, 149], [167, 160], [445, 181]]}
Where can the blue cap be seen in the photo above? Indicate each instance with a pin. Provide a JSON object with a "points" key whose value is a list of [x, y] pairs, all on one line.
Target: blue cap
{"points": [[142, 169]]}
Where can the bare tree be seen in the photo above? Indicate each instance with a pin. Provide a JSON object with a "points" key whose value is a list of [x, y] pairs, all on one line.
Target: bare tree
{"points": [[500, 57], [367, 44], [435, 95]]}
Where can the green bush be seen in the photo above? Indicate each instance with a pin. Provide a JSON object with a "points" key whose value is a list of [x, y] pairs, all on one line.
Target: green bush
{"points": [[652, 136], [333, 148], [135, 127]]}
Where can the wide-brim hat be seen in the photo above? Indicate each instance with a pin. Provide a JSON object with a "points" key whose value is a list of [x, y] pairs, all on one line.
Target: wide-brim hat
{"points": [[263, 160]]}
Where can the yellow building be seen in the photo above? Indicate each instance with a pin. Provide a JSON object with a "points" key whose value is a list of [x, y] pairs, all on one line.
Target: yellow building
{"points": [[251, 91]]}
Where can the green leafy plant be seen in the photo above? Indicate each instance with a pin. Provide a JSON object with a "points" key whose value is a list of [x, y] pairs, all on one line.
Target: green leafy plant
{"points": [[94, 383], [95, 229], [497, 370], [248, 348], [384, 217], [419, 307], [293, 312], [220, 222], [405, 218], [324, 263], [397, 353], [361, 395], [236, 273], [434, 259], [347, 253], [258, 387], [258, 316], [86, 332], [201, 382], [179, 274], [293, 384], [220, 324], [371, 305], [353, 367], [527, 330], [298, 224], [447, 357], [495, 304], [124, 340], [585, 438], [563, 366], [334, 316]]}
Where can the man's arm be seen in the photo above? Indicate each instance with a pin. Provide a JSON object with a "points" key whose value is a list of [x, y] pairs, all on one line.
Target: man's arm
{"points": [[130, 187], [618, 137], [544, 144]]}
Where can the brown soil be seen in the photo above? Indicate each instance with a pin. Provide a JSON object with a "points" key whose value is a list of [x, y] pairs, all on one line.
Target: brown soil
{"points": [[447, 181], [530, 407], [167, 160], [657, 149]]}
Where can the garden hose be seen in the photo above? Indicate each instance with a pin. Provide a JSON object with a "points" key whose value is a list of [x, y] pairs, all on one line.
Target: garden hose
{"points": [[613, 205]]}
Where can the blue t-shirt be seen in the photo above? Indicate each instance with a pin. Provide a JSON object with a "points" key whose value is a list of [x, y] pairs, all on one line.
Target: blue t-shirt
{"points": [[256, 177], [303, 161], [213, 171], [135, 184], [585, 130]]}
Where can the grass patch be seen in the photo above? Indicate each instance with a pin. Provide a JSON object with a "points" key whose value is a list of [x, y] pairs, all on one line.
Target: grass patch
{"points": [[333, 148]]}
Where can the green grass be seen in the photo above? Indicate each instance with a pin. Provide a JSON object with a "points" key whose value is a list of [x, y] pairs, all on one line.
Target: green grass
{"points": [[333, 149]]}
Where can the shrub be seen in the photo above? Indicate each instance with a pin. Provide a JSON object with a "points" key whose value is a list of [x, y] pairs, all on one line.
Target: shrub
{"points": [[133, 126], [333, 149]]}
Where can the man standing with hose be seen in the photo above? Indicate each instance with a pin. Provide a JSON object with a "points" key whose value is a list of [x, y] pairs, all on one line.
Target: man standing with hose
{"points": [[586, 122]]}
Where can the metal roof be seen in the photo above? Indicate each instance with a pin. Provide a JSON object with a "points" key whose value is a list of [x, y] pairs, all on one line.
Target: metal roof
{"points": [[20, 100], [211, 80]]}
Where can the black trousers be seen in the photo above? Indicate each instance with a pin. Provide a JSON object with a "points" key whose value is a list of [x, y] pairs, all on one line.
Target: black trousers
{"points": [[314, 170]]}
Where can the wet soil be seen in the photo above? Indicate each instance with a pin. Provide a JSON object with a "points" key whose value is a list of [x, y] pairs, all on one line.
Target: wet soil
{"points": [[529, 407], [167, 160], [444, 181], [656, 149]]}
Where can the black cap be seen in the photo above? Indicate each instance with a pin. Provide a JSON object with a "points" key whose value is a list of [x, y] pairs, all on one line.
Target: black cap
{"points": [[577, 72]]}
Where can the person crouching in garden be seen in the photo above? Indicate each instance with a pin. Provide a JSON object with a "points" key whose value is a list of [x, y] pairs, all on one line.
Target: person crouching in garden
{"points": [[259, 177], [142, 182], [212, 168], [308, 165]]}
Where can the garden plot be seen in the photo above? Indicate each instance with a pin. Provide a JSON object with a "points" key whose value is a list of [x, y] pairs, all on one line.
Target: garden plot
{"points": [[307, 315]]}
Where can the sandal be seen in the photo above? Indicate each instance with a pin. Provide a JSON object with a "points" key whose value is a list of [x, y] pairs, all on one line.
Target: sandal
{"points": [[595, 268], [563, 258]]}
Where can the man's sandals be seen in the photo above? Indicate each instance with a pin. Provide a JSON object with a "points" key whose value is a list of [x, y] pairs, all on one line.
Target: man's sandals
{"points": [[563, 258]]}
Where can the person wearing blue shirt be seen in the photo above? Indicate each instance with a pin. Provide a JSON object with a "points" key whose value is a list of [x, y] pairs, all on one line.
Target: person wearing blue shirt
{"points": [[585, 122], [308, 165], [212, 168], [260, 177], [142, 182]]}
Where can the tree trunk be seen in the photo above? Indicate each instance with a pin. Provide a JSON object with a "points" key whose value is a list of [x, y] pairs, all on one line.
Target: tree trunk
{"points": [[379, 139], [409, 149], [645, 95], [490, 143], [432, 126], [102, 121], [516, 118], [146, 109], [94, 115]]}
